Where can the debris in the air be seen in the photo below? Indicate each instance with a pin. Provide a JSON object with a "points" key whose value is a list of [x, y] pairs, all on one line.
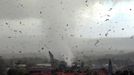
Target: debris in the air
{"points": [[76, 46], [67, 25], [62, 37], [107, 20], [63, 8], [96, 42], [82, 52], [106, 34], [110, 9], [42, 48], [6, 23], [39, 51], [9, 37], [61, 2], [49, 28], [108, 15], [72, 35], [110, 48], [15, 30], [40, 12], [8, 26], [20, 31], [21, 5], [20, 22], [100, 34], [65, 30], [80, 35], [116, 22], [66, 58], [132, 37], [130, 9], [122, 29], [109, 30], [87, 5], [63, 55], [86, 1], [92, 51], [20, 51]]}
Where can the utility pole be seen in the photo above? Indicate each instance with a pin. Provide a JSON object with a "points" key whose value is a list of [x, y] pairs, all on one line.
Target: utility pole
{"points": [[110, 68], [52, 59]]}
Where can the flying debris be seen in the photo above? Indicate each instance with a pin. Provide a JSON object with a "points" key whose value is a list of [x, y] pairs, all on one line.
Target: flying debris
{"points": [[62, 7], [116, 22], [42, 48], [108, 15], [96, 42], [66, 58], [80, 35], [132, 37], [20, 51], [110, 48], [39, 51], [86, 1], [130, 9], [61, 2], [67, 25], [72, 35], [122, 29], [109, 30], [15, 30], [82, 52], [21, 5], [76, 46], [62, 37], [107, 20], [106, 34], [92, 51], [87, 5], [65, 30], [9, 37], [40, 12], [49, 28], [110, 9], [20, 22], [6, 23], [20, 31], [113, 30]]}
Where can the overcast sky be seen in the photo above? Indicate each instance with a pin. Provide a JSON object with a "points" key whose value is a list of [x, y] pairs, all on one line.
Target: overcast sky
{"points": [[66, 26]]}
